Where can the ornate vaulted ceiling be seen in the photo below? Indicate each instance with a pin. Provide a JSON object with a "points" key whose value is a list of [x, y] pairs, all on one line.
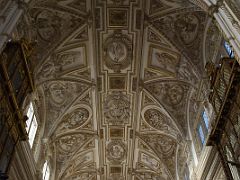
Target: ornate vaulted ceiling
{"points": [[118, 80]]}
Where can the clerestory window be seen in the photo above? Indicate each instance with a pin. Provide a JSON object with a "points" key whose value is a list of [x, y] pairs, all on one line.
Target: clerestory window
{"points": [[205, 119], [32, 124], [201, 134], [46, 171]]}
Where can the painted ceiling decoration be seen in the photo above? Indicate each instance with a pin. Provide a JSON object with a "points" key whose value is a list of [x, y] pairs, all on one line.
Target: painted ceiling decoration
{"points": [[116, 78]]}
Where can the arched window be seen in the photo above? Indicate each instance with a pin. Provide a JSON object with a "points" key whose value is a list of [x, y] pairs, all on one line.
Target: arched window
{"points": [[32, 124], [46, 171]]}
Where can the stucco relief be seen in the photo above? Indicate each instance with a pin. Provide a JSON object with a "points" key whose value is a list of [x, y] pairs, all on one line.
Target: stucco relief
{"points": [[49, 25], [117, 108], [78, 117], [186, 72], [157, 38], [71, 57], [59, 96], [173, 96], [163, 59], [67, 145], [117, 51], [163, 144], [185, 30], [164, 147], [150, 162], [74, 119], [59, 93], [62, 91], [80, 168], [156, 119], [62, 62], [213, 39], [47, 71], [116, 151], [187, 26], [170, 94]]}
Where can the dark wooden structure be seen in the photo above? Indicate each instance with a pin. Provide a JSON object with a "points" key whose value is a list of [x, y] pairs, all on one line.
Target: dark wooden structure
{"points": [[225, 99], [15, 83]]}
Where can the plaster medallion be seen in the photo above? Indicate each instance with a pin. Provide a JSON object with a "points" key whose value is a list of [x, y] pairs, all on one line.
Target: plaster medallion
{"points": [[156, 119], [117, 52], [76, 118], [116, 151]]}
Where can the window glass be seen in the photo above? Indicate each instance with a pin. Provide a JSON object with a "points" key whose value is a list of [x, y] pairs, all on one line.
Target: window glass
{"points": [[229, 50], [31, 124], [201, 134], [46, 171], [205, 119], [29, 115]]}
